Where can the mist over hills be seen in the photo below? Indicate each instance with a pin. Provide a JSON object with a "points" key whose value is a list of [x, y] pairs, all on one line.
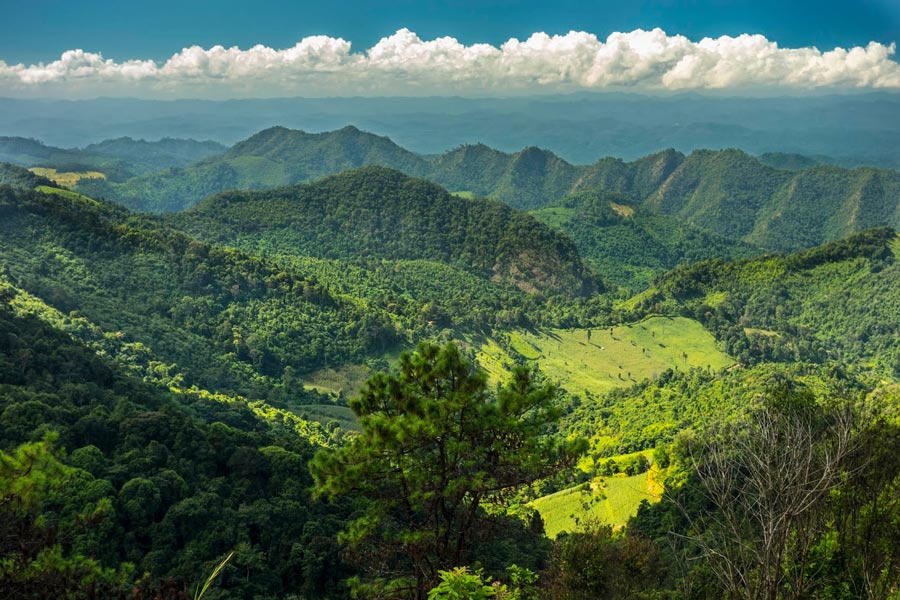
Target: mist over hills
{"points": [[118, 159], [850, 129]]}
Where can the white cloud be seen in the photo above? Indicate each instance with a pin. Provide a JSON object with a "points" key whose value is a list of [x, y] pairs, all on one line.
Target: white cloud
{"points": [[405, 64]]}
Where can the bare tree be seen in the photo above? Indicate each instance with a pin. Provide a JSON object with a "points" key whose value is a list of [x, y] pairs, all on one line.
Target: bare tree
{"points": [[767, 480]]}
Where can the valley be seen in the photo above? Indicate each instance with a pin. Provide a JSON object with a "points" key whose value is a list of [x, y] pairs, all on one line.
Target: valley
{"points": [[203, 337]]}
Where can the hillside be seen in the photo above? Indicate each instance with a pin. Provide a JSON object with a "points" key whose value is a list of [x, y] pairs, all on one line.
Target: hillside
{"points": [[382, 214], [273, 157], [838, 302], [526, 179], [630, 246], [217, 318], [113, 477]]}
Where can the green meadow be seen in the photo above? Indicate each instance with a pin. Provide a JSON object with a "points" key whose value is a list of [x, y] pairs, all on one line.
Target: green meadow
{"points": [[610, 500], [598, 360]]}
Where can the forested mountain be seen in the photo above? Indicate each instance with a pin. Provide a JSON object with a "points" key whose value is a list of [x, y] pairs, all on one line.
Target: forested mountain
{"points": [[837, 302], [525, 179], [271, 158], [106, 478], [381, 213], [725, 193], [20, 178], [629, 245], [222, 319], [142, 156], [117, 159]]}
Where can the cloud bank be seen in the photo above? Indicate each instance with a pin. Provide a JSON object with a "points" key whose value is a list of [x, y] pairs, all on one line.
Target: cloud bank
{"points": [[403, 63]]}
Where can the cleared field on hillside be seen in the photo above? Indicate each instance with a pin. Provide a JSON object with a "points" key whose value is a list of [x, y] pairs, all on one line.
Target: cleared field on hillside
{"points": [[598, 360], [67, 194], [323, 413], [348, 379], [612, 502], [68, 178]]}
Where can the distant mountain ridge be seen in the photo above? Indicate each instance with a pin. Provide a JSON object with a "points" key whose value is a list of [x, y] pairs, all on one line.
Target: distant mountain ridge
{"points": [[723, 192], [853, 129], [118, 159]]}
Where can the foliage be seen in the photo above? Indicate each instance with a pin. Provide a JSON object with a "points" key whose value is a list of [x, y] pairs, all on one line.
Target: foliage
{"points": [[150, 482], [834, 302], [436, 449], [783, 501], [597, 563], [224, 320], [380, 213], [460, 584], [201, 591]]}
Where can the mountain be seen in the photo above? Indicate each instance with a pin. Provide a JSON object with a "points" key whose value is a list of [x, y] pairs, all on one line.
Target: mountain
{"points": [[526, 179], [160, 154], [116, 159], [630, 246], [836, 302], [724, 193], [381, 213], [273, 157], [720, 191]]}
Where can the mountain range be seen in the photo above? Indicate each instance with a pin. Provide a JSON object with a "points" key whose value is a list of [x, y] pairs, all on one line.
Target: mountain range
{"points": [[850, 129], [182, 367], [726, 192]]}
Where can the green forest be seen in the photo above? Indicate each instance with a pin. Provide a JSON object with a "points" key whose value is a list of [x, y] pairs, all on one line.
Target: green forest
{"points": [[320, 366]]}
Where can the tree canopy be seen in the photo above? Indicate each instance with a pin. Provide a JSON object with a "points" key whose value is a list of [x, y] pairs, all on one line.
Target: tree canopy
{"points": [[436, 453]]}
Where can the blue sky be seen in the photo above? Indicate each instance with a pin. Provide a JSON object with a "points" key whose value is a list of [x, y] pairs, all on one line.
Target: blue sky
{"points": [[40, 30], [249, 48]]}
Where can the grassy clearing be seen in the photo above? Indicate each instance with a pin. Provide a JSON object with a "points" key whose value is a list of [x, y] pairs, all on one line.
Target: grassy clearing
{"points": [[763, 332], [465, 194], [491, 357], [66, 194], [67, 178], [323, 413], [621, 209], [612, 501], [347, 379], [598, 360]]}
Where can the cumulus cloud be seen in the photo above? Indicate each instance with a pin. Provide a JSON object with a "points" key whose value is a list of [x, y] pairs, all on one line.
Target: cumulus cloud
{"points": [[403, 63]]}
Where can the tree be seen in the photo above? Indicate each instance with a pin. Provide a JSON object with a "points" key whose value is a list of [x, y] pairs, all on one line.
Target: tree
{"points": [[767, 480], [436, 448]]}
